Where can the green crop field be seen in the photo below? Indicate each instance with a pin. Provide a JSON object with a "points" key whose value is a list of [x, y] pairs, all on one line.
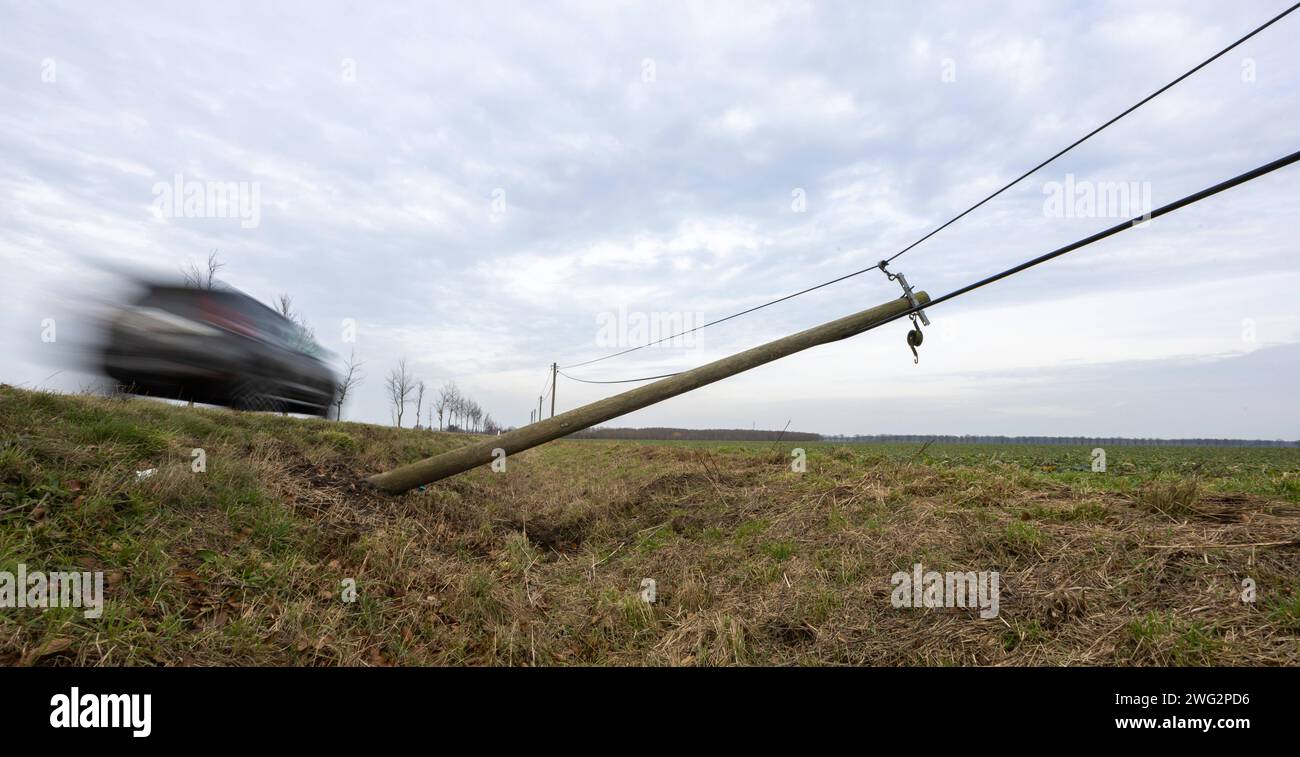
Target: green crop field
{"points": [[276, 553], [1270, 471]]}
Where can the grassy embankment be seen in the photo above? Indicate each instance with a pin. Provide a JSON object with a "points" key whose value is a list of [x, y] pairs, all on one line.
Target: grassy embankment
{"points": [[245, 562]]}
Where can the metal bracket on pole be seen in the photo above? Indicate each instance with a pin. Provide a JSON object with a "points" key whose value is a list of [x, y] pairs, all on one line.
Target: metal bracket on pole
{"points": [[907, 291], [915, 336]]}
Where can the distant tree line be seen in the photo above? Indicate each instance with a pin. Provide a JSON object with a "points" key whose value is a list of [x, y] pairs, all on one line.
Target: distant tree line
{"points": [[457, 411], [707, 434], [1098, 441], [759, 435], [453, 409]]}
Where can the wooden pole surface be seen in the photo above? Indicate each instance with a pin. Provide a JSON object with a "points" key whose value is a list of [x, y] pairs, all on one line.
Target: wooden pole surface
{"points": [[459, 460]]}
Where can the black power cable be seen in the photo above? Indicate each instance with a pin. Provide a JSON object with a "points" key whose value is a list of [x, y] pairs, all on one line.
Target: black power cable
{"points": [[960, 215], [1117, 228]]}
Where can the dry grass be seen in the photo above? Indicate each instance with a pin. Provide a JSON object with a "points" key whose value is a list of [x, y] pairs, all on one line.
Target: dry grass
{"points": [[543, 565]]}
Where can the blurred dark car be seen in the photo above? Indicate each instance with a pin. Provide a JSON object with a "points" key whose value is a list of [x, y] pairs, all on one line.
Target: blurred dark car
{"points": [[216, 346]]}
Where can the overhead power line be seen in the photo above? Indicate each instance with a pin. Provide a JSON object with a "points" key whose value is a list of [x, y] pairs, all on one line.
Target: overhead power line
{"points": [[962, 214], [619, 381], [1117, 228], [1092, 133]]}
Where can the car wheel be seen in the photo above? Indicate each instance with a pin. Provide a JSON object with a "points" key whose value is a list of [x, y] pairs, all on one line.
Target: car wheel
{"points": [[254, 396]]}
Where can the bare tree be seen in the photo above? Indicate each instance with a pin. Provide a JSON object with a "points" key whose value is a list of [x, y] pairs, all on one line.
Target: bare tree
{"points": [[400, 385], [457, 413], [284, 306], [419, 400], [446, 399], [204, 279], [200, 279], [475, 415], [304, 335], [349, 380]]}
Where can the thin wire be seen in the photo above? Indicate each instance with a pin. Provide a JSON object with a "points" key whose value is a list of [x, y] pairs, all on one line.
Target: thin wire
{"points": [[1092, 133], [620, 381], [957, 217], [1117, 228], [727, 318]]}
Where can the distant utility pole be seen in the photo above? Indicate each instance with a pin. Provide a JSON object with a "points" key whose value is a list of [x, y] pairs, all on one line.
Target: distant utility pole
{"points": [[554, 369], [539, 407]]}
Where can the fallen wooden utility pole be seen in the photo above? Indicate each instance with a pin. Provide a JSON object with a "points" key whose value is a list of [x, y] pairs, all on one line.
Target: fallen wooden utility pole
{"points": [[470, 456]]}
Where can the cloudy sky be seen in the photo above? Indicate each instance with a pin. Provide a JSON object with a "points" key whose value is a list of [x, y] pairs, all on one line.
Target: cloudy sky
{"points": [[487, 188]]}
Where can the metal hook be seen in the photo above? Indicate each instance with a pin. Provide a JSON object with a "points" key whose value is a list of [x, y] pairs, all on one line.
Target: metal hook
{"points": [[914, 339]]}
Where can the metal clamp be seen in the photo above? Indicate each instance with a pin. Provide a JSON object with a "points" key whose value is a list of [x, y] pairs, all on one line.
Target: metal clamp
{"points": [[914, 336], [907, 291]]}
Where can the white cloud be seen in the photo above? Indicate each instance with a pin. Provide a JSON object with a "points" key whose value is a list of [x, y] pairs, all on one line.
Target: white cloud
{"points": [[673, 194]]}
